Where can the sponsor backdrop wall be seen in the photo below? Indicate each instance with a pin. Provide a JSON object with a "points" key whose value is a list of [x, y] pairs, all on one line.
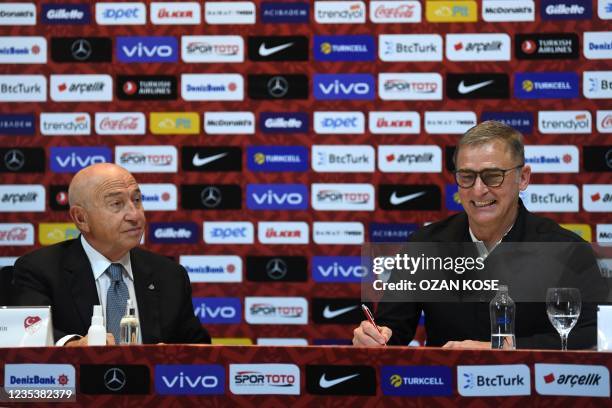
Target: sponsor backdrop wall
{"points": [[271, 139]]}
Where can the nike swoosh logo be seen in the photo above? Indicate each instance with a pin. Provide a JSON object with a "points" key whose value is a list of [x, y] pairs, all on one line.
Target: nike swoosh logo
{"points": [[325, 383], [466, 89], [201, 162], [264, 51], [395, 200], [330, 314]]}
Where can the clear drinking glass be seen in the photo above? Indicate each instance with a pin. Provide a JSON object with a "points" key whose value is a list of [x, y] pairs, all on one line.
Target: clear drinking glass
{"points": [[563, 308]]}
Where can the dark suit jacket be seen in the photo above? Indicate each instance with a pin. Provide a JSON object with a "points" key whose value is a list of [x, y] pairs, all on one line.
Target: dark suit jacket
{"points": [[61, 276], [470, 321]]}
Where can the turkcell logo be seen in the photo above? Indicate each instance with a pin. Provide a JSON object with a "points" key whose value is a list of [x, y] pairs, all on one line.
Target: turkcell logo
{"points": [[277, 197], [73, 159], [173, 233], [328, 269], [21, 124], [344, 48], [452, 198], [546, 85], [391, 232], [66, 14], [521, 121], [283, 122], [566, 9], [196, 379], [218, 310], [147, 49], [344, 87], [277, 158], [416, 380], [287, 12]]}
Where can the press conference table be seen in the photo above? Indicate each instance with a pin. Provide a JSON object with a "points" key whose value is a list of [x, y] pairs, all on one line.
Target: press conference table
{"points": [[150, 372]]}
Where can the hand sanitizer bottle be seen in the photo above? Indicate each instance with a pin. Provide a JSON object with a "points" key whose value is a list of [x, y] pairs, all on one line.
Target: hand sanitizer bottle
{"points": [[130, 327], [96, 335]]}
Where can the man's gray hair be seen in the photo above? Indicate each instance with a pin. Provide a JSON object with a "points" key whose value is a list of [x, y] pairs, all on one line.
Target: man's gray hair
{"points": [[491, 131]]}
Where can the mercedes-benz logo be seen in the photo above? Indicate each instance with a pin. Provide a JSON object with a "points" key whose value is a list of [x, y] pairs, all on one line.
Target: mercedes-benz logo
{"points": [[278, 86], [211, 197], [609, 158], [114, 379], [81, 49], [14, 160], [276, 268]]}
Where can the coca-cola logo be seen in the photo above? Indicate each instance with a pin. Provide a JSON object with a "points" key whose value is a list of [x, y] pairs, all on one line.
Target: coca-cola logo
{"points": [[401, 11], [14, 234], [126, 123], [606, 122]]}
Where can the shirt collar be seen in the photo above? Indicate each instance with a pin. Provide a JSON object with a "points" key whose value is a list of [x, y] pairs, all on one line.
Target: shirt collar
{"points": [[99, 263], [480, 245]]}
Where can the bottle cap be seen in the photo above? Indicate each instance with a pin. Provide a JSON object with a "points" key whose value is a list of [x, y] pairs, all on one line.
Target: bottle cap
{"points": [[97, 319], [503, 288]]}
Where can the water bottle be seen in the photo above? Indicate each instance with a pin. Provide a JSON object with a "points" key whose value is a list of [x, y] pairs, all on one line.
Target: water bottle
{"points": [[501, 310], [129, 325]]}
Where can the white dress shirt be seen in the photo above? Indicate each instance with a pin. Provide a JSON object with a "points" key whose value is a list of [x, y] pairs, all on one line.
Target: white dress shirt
{"points": [[99, 264]]}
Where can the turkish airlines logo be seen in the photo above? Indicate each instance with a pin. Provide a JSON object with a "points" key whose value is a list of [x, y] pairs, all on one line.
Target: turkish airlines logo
{"points": [[546, 46], [147, 159], [176, 13], [120, 123], [413, 86], [276, 310], [23, 50], [283, 232], [478, 47], [410, 159], [382, 12]]}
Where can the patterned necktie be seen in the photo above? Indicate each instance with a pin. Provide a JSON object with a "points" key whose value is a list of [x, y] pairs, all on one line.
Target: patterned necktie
{"points": [[116, 300]]}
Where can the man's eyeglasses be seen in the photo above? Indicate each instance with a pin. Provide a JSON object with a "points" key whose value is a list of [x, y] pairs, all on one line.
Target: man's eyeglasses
{"points": [[491, 177]]}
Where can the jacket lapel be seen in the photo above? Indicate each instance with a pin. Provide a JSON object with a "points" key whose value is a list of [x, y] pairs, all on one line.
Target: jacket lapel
{"points": [[147, 296], [81, 282]]}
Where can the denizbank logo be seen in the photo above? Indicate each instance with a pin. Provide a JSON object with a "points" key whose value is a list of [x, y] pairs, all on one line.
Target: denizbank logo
{"points": [[546, 85], [39, 376], [597, 44], [212, 268], [195, 379], [572, 379], [552, 158], [493, 380], [23, 50], [416, 380]]}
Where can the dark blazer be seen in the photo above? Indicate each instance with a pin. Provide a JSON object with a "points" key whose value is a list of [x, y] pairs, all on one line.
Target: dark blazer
{"points": [[61, 276], [470, 321]]}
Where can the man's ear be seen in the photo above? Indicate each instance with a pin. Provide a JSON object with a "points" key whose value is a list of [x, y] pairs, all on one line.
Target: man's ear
{"points": [[79, 217], [524, 177]]}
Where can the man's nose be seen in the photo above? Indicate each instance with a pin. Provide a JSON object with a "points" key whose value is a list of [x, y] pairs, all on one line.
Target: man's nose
{"points": [[480, 187], [132, 211]]}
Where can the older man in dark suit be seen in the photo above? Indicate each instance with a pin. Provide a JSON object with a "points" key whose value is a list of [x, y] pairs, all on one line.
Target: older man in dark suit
{"points": [[104, 266]]}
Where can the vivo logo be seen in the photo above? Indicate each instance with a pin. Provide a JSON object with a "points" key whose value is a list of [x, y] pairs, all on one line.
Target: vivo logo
{"points": [[344, 86], [196, 379], [277, 197], [73, 159], [218, 310], [147, 49], [329, 269]]}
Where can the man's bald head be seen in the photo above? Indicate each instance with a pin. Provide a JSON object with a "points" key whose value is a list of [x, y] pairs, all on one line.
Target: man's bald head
{"points": [[85, 183]]}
